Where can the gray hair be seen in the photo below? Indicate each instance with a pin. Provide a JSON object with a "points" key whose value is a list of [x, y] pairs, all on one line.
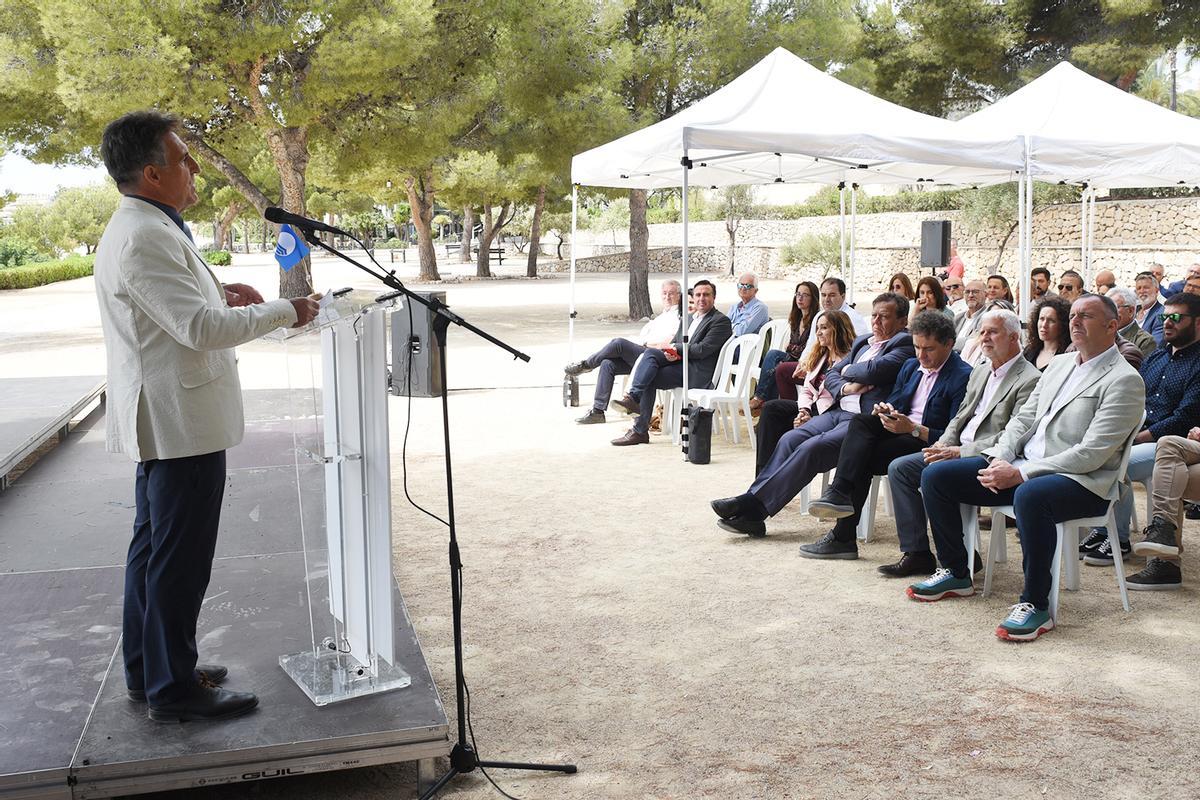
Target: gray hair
{"points": [[672, 282], [1125, 294], [1010, 321]]}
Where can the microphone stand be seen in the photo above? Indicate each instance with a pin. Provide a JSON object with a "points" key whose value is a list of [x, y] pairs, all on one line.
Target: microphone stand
{"points": [[463, 758]]}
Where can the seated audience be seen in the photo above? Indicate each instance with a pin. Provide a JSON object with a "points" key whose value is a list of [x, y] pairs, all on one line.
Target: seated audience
{"points": [[1070, 286], [924, 399], [1149, 313], [1057, 459], [619, 355], [901, 284], [1192, 284], [997, 388], [998, 289], [1105, 281], [1179, 285], [930, 297], [1049, 331], [1126, 302], [966, 323], [661, 368], [1162, 540], [954, 296], [804, 308], [861, 379], [833, 297], [749, 313], [1039, 283], [1171, 379], [835, 336]]}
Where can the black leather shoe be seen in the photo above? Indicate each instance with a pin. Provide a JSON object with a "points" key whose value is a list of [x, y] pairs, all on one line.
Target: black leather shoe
{"points": [[832, 505], [593, 417], [577, 368], [628, 405], [205, 703], [750, 527], [632, 437], [213, 673], [829, 547], [727, 507], [911, 564]]}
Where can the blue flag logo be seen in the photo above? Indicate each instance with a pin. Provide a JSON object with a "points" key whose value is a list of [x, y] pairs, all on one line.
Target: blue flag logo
{"points": [[290, 250]]}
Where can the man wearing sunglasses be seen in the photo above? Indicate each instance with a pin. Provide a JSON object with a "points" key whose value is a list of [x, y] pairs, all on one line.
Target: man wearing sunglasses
{"points": [[1070, 286], [954, 294], [749, 313], [1172, 378]]}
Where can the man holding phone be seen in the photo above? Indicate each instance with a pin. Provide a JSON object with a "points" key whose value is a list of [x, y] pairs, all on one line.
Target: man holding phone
{"points": [[708, 330]]}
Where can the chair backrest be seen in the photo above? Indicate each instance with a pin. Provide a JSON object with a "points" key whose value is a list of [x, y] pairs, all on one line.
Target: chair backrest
{"points": [[747, 347], [722, 378], [1129, 449], [776, 333]]}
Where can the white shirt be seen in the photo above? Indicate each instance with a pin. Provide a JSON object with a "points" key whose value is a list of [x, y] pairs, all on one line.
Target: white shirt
{"points": [[959, 306], [662, 328], [696, 320], [860, 323], [853, 402], [989, 391], [1035, 448]]}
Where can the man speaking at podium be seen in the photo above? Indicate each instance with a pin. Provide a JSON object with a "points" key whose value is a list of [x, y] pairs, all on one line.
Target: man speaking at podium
{"points": [[174, 405]]}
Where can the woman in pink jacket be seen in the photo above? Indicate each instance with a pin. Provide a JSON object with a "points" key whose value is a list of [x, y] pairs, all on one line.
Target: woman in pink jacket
{"points": [[835, 336]]}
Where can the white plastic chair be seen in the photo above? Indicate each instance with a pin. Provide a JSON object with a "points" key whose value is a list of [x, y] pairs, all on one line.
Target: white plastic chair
{"points": [[1067, 546], [776, 335], [732, 385], [866, 521]]}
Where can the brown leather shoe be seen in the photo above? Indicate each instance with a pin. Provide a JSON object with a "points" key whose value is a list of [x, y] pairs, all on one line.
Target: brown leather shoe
{"points": [[910, 564], [628, 405], [632, 437]]}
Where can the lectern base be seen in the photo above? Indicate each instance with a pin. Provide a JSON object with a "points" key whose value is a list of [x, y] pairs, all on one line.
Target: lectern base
{"points": [[331, 677]]}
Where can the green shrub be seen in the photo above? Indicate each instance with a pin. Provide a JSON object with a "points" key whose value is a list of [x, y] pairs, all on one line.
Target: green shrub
{"points": [[218, 258], [820, 251], [15, 252], [39, 274], [393, 244]]}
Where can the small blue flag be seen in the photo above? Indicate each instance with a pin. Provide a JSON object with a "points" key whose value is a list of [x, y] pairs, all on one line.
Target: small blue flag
{"points": [[291, 249]]}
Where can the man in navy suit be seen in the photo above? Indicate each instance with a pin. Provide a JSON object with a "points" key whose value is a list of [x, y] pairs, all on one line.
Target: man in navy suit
{"points": [[926, 397], [1150, 310], [860, 380]]}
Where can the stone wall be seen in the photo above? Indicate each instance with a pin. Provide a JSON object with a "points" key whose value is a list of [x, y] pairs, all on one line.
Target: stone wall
{"points": [[1128, 235]]}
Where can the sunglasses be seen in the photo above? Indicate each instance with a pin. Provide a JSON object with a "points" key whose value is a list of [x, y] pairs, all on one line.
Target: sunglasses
{"points": [[1065, 286], [745, 285], [1177, 317]]}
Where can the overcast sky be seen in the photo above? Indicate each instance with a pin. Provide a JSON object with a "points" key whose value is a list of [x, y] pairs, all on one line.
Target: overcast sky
{"points": [[22, 176]]}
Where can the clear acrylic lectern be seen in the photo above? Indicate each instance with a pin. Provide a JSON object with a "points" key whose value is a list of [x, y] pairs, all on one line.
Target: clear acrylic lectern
{"points": [[337, 382]]}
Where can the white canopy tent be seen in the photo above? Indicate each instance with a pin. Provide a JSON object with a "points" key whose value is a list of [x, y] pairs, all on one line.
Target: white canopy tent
{"points": [[784, 121], [1078, 129]]}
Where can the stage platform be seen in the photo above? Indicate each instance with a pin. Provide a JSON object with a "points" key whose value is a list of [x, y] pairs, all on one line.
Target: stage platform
{"points": [[67, 729], [32, 410]]}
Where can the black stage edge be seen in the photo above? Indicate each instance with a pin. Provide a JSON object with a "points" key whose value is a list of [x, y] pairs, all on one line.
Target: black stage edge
{"points": [[67, 730]]}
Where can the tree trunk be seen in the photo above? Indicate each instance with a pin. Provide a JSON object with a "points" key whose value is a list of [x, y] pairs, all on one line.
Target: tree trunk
{"points": [[535, 234], [558, 249], [732, 231], [224, 225], [289, 150], [246, 236], [420, 200], [639, 257], [464, 251], [483, 267]]}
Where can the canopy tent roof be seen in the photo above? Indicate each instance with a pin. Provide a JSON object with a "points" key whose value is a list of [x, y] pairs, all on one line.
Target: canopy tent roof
{"points": [[784, 120], [1083, 130]]}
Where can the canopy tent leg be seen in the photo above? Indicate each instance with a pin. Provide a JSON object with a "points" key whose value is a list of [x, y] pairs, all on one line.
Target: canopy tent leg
{"points": [[853, 225], [1091, 240], [1022, 310], [842, 225], [1083, 234], [571, 309], [683, 317], [1025, 276]]}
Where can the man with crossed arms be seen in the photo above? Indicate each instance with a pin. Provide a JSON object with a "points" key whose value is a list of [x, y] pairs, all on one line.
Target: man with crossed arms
{"points": [[1059, 458], [996, 388]]}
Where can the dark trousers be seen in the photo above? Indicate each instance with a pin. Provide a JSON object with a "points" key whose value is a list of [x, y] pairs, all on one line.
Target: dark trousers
{"points": [[801, 454], [868, 450], [1039, 503], [766, 388], [774, 420], [615, 358], [654, 371], [167, 571]]}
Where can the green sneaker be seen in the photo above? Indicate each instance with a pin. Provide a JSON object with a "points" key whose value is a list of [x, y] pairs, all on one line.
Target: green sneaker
{"points": [[941, 583], [1025, 623]]}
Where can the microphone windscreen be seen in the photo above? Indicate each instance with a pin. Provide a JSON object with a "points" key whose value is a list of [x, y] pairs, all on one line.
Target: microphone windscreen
{"points": [[274, 214]]}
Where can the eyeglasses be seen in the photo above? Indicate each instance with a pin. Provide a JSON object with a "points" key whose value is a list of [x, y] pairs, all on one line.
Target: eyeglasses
{"points": [[1064, 286], [745, 285], [1176, 317]]}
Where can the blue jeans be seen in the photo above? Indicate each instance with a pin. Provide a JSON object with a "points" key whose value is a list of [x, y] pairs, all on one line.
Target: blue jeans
{"points": [[766, 389], [1039, 503], [1141, 467]]}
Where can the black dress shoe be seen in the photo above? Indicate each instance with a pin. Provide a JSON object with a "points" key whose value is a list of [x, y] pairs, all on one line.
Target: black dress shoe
{"points": [[577, 368], [727, 507], [205, 702], [213, 673], [632, 437], [829, 547], [593, 417], [832, 505], [911, 564], [750, 527], [628, 405]]}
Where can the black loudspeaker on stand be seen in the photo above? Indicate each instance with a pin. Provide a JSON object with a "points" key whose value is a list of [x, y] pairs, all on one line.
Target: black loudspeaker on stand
{"points": [[935, 243], [463, 758]]}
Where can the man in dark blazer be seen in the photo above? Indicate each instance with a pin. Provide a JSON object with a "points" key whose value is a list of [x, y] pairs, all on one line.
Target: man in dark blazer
{"points": [[859, 381], [1150, 309], [926, 397], [708, 330]]}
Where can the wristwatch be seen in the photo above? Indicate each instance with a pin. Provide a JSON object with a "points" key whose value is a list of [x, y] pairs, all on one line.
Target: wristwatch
{"points": [[916, 432]]}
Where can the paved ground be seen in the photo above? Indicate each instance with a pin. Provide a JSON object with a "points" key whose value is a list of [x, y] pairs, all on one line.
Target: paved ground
{"points": [[610, 623]]}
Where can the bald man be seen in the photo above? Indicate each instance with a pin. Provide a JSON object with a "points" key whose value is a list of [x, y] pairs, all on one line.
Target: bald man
{"points": [[1105, 281]]}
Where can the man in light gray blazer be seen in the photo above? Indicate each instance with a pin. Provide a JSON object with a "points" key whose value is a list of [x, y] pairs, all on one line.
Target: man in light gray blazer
{"points": [[996, 388], [1058, 458], [174, 405]]}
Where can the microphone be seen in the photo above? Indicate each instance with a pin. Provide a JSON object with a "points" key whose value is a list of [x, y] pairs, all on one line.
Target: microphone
{"points": [[281, 217]]}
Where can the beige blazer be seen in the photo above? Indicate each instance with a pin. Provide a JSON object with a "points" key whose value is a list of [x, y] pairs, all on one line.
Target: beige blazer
{"points": [[173, 388], [1084, 439], [1011, 394]]}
